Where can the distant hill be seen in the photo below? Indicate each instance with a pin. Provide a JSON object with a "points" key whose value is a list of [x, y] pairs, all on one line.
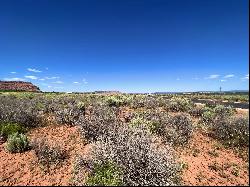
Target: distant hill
{"points": [[18, 86]]}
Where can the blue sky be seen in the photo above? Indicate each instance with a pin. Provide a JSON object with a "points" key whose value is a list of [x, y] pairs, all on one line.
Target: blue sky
{"points": [[125, 45]]}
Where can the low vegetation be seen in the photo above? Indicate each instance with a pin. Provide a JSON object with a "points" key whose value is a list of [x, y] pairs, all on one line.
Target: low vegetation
{"points": [[17, 143], [134, 138], [48, 155]]}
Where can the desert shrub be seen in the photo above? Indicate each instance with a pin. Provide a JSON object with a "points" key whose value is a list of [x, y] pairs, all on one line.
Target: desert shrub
{"points": [[196, 111], [48, 154], [105, 175], [140, 161], [232, 131], [114, 101], [137, 121], [179, 129], [147, 101], [7, 129], [17, 143], [67, 110], [102, 120], [207, 115], [19, 110], [219, 112], [154, 120], [138, 101], [178, 104], [176, 129], [81, 105], [223, 112]]}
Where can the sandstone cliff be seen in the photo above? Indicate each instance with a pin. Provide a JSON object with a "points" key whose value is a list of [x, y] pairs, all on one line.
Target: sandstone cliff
{"points": [[18, 86]]}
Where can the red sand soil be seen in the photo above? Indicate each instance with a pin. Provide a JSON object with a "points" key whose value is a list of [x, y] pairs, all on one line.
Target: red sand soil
{"points": [[23, 169], [200, 162], [242, 112]]}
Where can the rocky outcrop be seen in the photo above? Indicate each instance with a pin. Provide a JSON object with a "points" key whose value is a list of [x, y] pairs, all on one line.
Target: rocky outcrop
{"points": [[18, 86]]}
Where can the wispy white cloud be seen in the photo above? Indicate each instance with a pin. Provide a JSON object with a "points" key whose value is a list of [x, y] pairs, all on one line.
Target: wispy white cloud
{"points": [[245, 78], [212, 77], [34, 70], [13, 72], [52, 78], [58, 82], [229, 76], [30, 77], [14, 79], [178, 79], [41, 79], [223, 80], [76, 82], [49, 86], [84, 81], [47, 68]]}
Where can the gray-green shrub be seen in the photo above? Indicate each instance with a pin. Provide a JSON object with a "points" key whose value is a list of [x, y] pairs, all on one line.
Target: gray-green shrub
{"points": [[134, 151], [232, 131], [48, 154], [17, 143]]}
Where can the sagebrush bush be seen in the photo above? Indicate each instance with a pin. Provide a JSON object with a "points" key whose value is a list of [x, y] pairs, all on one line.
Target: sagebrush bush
{"points": [[67, 110], [208, 115], [179, 129], [216, 113], [147, 101], [232, 131], [115, 101], [7, 129], [17, 143], [100, 121], [154, 120], [196, 111], [223, 112], [106, 174], [48, 155], [19, 110], [178, 104], [176, 129], [134, 152]]}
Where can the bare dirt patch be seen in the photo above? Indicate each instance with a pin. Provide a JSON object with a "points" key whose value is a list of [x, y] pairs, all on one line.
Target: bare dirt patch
{"points": [[209, 163], [242, 112], [23, 168]]}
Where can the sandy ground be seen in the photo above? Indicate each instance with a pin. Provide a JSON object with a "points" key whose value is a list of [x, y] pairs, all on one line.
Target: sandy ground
{"points": [[208, 163], [23, 169]]}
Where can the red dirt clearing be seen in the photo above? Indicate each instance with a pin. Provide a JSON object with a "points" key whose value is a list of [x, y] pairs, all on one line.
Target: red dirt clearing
{"points": [[208, 163], [23, 169]]}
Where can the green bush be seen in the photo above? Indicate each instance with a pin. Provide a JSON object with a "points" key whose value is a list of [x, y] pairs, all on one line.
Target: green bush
{"points": [[7, 129], [178, 104], [105, 175], [207, 115], [153, 125], [219, 112], [81, 105], [17, 143], [223, 112], [116, 100]]}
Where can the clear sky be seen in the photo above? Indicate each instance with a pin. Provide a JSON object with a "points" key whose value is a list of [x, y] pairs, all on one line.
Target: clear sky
{"points": [[126, 45]]}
